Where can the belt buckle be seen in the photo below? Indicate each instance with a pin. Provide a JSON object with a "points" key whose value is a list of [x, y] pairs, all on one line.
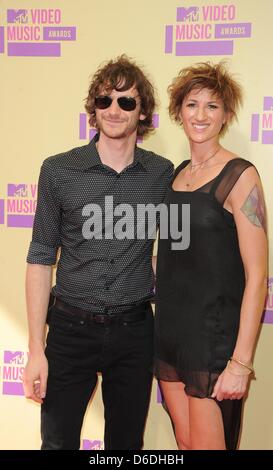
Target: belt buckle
{"points": [[99, 318], [102, 319]]}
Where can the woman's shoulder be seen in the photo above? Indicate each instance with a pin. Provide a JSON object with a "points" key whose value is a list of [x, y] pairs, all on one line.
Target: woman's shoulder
{"points": [[243, 176], [237, 165], [240, 160], [235, 169]]}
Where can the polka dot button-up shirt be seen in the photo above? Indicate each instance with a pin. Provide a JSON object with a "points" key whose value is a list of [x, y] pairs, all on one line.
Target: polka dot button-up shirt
{"points": [[97, 271]]}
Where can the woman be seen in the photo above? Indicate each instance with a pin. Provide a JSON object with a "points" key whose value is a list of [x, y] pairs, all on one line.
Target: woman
{"points": [[210, 296]]}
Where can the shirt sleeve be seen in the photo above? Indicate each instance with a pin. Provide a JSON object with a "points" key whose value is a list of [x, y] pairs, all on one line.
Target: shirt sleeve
{"points": [[46, 235]]}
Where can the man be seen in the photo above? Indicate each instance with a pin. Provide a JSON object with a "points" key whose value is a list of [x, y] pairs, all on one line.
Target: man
{"points": [[100, 315]]}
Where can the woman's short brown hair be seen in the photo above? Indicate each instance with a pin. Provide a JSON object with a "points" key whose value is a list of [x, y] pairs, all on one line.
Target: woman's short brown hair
{"points": [[216, 78], [121, 74]]}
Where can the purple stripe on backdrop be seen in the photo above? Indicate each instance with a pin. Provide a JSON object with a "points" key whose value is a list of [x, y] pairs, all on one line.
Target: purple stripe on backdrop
{"points": [[32, 49], [2, 211], [268, 103], [22, 221], [156, 120], [158, 395], [255, 118], [82, 129], [2, 40], [92, 133], [267, 137], [169, 39], [59, 33], [155, 124], [179, 14], [204, 48], [227, 30], [13, 388], [268, 316]]}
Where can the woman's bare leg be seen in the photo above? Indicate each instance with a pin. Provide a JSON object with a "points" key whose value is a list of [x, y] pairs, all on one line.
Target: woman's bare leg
{"points": [[198, 422], [206, 424], [178, 406]]}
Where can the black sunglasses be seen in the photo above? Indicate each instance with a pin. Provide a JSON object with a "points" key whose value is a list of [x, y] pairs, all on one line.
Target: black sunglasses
{"points": [[127, 103]]}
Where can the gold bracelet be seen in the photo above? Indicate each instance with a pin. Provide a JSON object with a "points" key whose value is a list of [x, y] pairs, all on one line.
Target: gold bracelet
{"points": [[250, 368], [229, 368]]}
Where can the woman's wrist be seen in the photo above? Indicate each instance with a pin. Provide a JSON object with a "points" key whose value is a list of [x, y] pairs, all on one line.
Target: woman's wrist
{"points": [[235, 368], [245, 364]]}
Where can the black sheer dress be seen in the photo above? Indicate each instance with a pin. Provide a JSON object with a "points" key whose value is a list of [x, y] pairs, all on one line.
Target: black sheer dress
{"points": [[199, 294]]}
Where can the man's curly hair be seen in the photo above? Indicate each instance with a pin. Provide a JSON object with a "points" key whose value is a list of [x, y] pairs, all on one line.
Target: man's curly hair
{"points": [[121, 74]]}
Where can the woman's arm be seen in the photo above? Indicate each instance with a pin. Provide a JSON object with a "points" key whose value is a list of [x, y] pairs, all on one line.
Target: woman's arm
{"points": [[248, 206], [247, 203]]}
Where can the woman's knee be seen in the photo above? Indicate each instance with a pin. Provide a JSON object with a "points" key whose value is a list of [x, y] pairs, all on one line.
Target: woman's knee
{"points": [[182, 440]]}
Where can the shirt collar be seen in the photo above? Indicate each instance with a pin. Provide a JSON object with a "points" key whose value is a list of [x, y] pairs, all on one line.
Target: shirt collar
{"points": [[89, 157]]}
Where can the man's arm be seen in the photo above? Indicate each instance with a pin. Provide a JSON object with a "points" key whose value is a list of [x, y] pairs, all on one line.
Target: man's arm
{"points": [[38, 286], [41, 257]]}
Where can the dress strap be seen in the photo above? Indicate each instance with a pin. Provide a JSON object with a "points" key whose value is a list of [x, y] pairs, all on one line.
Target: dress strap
{"points": [[179, 168], [224, 182]]}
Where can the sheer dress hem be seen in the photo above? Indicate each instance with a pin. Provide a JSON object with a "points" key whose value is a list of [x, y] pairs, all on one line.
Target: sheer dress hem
{"points": [[200, 384]]}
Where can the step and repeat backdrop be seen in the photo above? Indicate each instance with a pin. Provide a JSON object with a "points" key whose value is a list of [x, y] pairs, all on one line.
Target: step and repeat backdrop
{"points": [[48, 52]]}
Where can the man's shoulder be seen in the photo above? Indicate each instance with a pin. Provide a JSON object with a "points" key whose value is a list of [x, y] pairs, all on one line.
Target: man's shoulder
{"points": [[154, 160], [72, 158]]}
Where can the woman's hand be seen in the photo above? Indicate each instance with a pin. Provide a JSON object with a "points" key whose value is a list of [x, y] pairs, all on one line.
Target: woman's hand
{"points": [[231, 385]]}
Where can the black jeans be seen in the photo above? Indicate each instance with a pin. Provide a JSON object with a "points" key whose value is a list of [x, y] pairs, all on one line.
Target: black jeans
{"points": [[76, 351]]}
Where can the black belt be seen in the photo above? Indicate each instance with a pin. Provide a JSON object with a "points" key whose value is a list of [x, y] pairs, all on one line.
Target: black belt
{"points": [[130, 315]]}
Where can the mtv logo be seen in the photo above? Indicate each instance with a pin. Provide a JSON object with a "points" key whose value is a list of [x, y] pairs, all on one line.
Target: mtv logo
{"points": [[13, 357], [17, 16], [17, 190], [190, 14], [268, 103], [92, 445]]}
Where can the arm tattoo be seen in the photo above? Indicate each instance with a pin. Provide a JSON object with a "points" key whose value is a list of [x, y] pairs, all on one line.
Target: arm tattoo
{"points": [[254, 208]]}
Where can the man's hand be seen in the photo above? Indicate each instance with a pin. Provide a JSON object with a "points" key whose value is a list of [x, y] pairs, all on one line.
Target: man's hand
{"points": [[35, 377]]}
